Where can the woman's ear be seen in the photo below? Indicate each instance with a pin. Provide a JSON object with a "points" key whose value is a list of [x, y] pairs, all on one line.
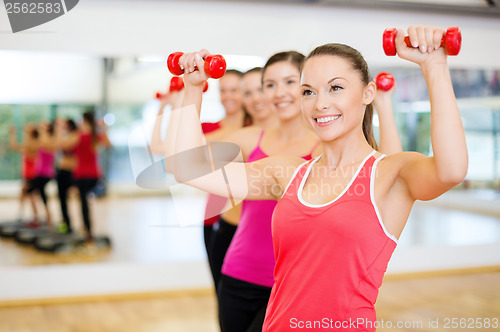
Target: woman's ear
{"points": [[369, 93]]}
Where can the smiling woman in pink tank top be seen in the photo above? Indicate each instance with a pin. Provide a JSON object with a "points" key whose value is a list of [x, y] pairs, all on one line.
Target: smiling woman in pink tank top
{"points": [[250, 262], [339, 216]]}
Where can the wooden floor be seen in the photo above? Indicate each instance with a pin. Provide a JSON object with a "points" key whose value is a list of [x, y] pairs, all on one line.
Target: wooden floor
{"points": [[147, 231], [411, 301], [419, 301]]}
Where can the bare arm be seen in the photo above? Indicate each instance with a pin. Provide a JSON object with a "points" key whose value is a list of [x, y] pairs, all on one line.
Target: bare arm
{"points": [[104, 140], [216, 170], [389, 142], [13, 143], [62, 141], [157, 144], [47, 141], [429, 177], [103, 134]]}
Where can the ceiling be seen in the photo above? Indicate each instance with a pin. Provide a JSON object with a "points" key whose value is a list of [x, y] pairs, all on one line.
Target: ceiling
{"points": [[489, 8]]}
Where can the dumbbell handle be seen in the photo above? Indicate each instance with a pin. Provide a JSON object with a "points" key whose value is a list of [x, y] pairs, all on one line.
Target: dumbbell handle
{"points": [[408, 42]]}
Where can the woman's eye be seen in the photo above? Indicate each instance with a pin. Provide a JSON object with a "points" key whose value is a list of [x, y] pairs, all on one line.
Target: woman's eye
{"points": [[290, 82], [269, 85], [306, 93], [335, 88]]}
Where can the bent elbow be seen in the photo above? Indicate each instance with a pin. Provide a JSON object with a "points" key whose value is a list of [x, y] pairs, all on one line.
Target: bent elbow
{"points": [[178, 173], [182, 174], [156, 148], [455, 175], [178, 177], [169, 168]]}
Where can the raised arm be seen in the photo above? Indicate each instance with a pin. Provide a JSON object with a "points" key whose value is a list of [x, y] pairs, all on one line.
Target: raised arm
{"points": [[429, 177], [63, 141], [13, 143], [389, 141], [217, 168], [157, 144], [103, 134], [47, 139]]}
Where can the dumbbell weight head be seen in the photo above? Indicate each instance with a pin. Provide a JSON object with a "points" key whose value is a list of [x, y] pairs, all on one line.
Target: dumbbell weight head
{"points": [[384, 81], [176, 84], [159, 95], [388, 41], [205, 86], [215, 66], [452, 41], [173, 63]]}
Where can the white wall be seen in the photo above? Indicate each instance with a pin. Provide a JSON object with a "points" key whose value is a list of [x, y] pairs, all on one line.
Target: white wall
{"points": [[114, 28], [68, 69], [138, 83], [46, 78]]}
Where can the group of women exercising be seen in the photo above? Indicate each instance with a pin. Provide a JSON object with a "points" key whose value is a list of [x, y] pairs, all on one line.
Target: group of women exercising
{"points": [[64, 151], [323, 204]]}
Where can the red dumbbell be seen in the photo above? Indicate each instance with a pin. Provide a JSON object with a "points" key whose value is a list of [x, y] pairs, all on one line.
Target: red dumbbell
{"points": [[215, 65], [176, 84], [452, 41], [384, 81]]}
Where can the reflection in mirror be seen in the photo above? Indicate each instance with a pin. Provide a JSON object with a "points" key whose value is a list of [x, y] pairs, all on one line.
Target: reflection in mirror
{"points": [[144, 225]]}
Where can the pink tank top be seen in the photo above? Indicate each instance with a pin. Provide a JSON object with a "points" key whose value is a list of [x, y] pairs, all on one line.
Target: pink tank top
{"points": [[250, 255], [45, 164], [330, 258]]}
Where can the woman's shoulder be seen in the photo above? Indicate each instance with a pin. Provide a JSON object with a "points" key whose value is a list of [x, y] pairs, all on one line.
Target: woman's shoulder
{"points": [[283, 166], [391, 167], [246, 137], [250, 131], [399, 159]]}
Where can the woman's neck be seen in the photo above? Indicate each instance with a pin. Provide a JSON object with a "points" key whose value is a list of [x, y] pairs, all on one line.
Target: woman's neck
{"points": [[345, 150], [233, 120], [269, 122], [292, 129]]}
